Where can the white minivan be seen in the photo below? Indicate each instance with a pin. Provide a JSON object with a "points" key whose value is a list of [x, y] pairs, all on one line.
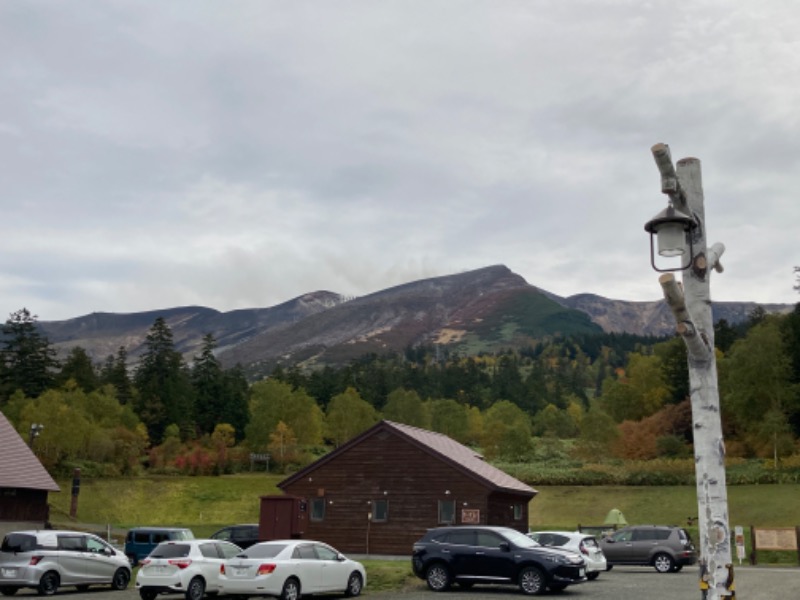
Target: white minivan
{"points": [[49, 559]]}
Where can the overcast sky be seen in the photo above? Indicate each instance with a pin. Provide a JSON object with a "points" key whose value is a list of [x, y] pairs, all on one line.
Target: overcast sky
{"points": [[237, 154]]}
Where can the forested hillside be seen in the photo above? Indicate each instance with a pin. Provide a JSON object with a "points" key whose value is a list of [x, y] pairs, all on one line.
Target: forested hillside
{"points": [[603, 396]]}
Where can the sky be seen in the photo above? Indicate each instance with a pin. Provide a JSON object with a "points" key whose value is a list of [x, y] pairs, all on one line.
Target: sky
{"points": [[238, 154]]}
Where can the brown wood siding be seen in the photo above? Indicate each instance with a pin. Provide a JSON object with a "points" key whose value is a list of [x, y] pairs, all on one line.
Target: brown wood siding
{"points": [[22, 504], [411, 480]]}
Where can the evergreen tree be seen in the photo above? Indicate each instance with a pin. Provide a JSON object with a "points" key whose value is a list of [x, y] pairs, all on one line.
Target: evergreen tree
{"points": [[164, 386], [78, 367], [115, 372], [27, 360], [208, 383]]}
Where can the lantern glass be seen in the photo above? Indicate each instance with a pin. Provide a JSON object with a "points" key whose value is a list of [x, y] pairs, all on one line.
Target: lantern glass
{"points": [[671, 239]]}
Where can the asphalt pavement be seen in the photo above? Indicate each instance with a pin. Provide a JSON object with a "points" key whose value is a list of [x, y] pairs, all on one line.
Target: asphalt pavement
{"points": [[621, 583]]}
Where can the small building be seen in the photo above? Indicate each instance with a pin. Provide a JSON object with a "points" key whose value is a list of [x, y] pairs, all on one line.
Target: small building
{"points": [[24, 483], [379, 492]]}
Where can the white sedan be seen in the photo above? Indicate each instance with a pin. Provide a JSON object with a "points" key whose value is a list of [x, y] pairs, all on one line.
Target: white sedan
{"points": [[289, 569], [584, 544]]}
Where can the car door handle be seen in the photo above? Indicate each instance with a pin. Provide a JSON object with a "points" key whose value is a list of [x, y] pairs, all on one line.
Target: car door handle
{"points": [[480, 553]]}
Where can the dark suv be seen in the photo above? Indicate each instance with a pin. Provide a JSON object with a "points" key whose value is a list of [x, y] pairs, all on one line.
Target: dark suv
{"points": [[243, 536], [664, 547], [467, 555]]}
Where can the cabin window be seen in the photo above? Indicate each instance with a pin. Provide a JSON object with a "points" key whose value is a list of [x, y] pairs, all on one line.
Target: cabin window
{"points": [[447, 511], [518, 510], [380, 511], [317, 509]]}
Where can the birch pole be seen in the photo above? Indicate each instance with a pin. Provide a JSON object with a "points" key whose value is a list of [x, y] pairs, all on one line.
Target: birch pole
{"points": [[690, 304]]}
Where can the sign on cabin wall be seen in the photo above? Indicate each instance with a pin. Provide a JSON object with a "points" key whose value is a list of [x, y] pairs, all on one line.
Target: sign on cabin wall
{"points": [[471, 516]]}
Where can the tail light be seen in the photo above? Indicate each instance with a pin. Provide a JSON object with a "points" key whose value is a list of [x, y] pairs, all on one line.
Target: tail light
{"points": [[181, 563], [35, 560], [144, 561], [583, 549], [222, 569], [266, 569]]}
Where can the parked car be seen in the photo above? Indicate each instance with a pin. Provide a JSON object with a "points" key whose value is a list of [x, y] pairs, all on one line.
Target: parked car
{"points": [[289, 569], [584, 544], [243, 536], [190, 567], [666, 548], [49, 559], [140, 541], [467, 555]]}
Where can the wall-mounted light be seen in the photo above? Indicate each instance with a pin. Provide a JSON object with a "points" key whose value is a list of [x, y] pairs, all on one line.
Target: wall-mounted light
{"points": [[447, 492]]}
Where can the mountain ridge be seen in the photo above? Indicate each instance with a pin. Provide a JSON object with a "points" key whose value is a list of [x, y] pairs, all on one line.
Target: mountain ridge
{"points": [[482, 310]]}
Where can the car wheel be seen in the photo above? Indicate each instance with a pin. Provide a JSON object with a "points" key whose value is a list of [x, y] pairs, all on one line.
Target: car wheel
{"points": [[438, 577], [354, 585], [531, 581], [48, 584], [148, 594], [121, 579], [7, 590], [196, 589], [291, 590], [593, 575], [663, 562]]}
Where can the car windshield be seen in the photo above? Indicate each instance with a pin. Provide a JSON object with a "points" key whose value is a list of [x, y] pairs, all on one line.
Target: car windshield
{"points": [[519, 539], [170, 551], [262, 551]]}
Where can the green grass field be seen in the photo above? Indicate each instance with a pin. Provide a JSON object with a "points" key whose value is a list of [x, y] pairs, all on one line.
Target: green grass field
{"points": [[207, 503]]}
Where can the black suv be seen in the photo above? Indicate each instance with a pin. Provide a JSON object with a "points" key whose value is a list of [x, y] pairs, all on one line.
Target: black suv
{"points": [[467, 555], [243, 536], [664, 547]]}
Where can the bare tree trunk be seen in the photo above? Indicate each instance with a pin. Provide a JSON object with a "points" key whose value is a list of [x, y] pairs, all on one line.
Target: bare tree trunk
{"points": [[691, 307]]}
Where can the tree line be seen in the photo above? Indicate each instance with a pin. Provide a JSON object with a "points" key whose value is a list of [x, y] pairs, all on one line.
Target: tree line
{"points": [[611, 396]]}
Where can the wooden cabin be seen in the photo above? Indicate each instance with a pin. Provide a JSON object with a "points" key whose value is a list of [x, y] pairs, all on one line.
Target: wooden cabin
{"points": [[379, 492], [24, 483]]}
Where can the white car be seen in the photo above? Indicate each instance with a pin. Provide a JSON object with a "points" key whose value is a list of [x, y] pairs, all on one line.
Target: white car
{"points": [[289, 569], [584, 544], [189, 567]]}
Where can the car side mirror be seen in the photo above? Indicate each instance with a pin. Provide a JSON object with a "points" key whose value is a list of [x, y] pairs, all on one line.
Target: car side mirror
{"points": [[505, 547]]}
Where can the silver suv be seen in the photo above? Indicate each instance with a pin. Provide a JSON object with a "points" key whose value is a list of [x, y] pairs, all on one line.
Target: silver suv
{"points": [[46, 560], [664, 547]]}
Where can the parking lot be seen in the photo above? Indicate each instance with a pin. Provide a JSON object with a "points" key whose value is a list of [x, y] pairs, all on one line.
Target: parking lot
{"points": [[622, 583]]}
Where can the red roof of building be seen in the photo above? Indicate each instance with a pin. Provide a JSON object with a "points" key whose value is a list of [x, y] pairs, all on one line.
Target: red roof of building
{"points": [[19, 467]]}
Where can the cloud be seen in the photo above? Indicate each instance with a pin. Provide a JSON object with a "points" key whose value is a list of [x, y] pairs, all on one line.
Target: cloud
{"points": [[243, 154]]}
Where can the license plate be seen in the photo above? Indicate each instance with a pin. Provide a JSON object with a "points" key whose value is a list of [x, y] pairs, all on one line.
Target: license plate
{"points": [[581, 573], [157, 569], [8, 572]]}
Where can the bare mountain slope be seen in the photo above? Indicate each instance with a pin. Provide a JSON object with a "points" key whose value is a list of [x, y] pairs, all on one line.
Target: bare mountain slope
{"points": [[490, 306], [486, 309]]}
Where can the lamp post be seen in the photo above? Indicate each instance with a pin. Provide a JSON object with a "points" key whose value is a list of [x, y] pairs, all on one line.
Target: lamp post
{"points": [[36, 429], [681, 233]]}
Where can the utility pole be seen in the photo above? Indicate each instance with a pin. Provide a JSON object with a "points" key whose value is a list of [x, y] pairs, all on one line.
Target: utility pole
{"points": [[690, 303]]}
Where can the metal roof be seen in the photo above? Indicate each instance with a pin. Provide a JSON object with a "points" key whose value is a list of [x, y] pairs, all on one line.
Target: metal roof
{"points": [[439, 445], [19, 467]]}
